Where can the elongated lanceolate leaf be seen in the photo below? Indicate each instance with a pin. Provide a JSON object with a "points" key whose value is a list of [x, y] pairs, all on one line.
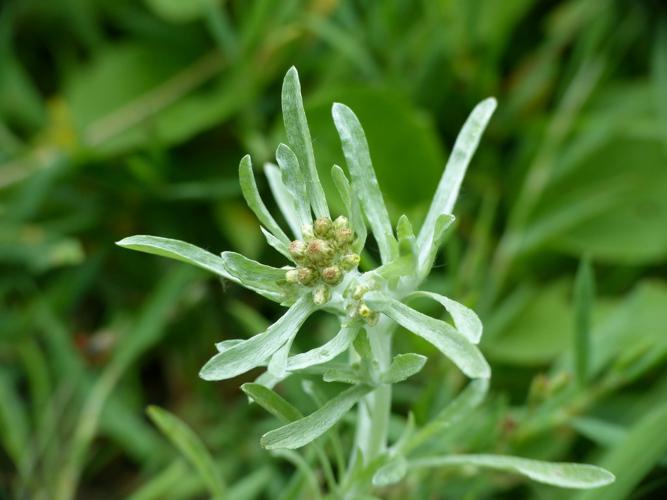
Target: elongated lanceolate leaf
{"points": [[391, 472], [298, 137], [351, 206], [226, 345], [303, 431], [584, 294], [403, 366], [272, 402], [295, 182], [284, 199], [465, 319], [364, 183], [258, 349], [275, 243], [278, 363], [254, 201], [326, 352], [457, 164], [444, 337], [427, 256], [255, 276], [565, 475], [179, 250], [189, 444]]}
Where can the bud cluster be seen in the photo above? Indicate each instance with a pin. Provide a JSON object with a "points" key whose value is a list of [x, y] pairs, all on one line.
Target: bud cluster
{"points": [[323, 256], [358, 308]]}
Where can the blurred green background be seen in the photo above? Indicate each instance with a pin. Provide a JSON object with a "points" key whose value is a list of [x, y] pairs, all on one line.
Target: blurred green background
{"points": [[122, 117]]}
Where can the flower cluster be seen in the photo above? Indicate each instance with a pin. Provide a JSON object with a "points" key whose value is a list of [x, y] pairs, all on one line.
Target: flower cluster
{"points": [[323, 256]]}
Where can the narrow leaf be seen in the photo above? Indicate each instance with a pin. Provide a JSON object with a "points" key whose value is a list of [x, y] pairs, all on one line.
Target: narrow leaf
{"points": [[283, 198], [254, 200], [465, 319], [427, 255], [178, 250], [295, 182], [351, 206], [565, 475], [457, 164], [225, 345], [584, 293], [257, 350], [364, 183], [298, 137], [272, 402], [255, 276], [326, 352], [278, 363], [303, 431], [403, 366], [391, 472], [280, 246], [189, 444], [443, 336]]}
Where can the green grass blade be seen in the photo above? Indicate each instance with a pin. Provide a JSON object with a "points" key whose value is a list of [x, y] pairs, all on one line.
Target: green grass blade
{"points": [[364, 183], [298, 137], [189, 444], [301, 432], [450, 182], [584, 295], [564, 475]]}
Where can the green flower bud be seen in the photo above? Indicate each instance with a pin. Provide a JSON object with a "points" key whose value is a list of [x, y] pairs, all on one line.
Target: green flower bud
{"points": [[292, 276], [321, 294], [359, 292], [349, 261], [344, 236], [319, 252], [297, 249], [341, 222], [332, 275], [367, 314], [322, 227], [306, 275]]}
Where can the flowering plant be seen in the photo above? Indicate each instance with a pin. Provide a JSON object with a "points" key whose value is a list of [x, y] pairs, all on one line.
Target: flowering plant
{"points": [[323, 274]]}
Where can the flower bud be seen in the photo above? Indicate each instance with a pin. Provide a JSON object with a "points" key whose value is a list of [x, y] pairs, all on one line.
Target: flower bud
{"points": [[297, 249], [341, 222], [367, 314], [292, 276], [344, 236], [305, 275], [332, 275], [359, 292], [321, 294], [322, 227], [349, 261], [319, 251]]}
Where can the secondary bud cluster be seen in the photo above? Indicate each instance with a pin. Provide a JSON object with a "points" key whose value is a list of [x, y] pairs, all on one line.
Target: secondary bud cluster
{"points": [[357, 307], [323, 256]]}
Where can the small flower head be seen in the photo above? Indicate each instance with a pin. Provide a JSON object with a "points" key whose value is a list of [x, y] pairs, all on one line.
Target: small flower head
{"points": [[322, 227], [332, 275], [297, 249], [349, 261], [292, 276], [306, 276], [319, 252], [321, 294]]}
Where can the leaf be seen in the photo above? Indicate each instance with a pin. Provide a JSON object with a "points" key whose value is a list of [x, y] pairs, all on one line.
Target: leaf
{"points": [[444, 337], [226, 345], [564, 475], [283, 198], [295, 182], [178, 250], [442, 224], [303, 431], [352, 207], [255, 276], [278, 245], [257, 350], [254, 201], [272, 402], [177, 11], [364, 183], [448, 189], [584, 292], [298, 137], [278, 363], [465, 319], [325, 352], [403, 366], [189, 444], [391, 472]]}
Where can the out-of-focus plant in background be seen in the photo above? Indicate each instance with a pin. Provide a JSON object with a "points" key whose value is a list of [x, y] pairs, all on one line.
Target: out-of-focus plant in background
{"points": [[124, 117]]}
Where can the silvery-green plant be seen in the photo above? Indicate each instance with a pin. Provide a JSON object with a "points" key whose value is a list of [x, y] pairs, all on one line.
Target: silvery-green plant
{"points": [[323, 275]]}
